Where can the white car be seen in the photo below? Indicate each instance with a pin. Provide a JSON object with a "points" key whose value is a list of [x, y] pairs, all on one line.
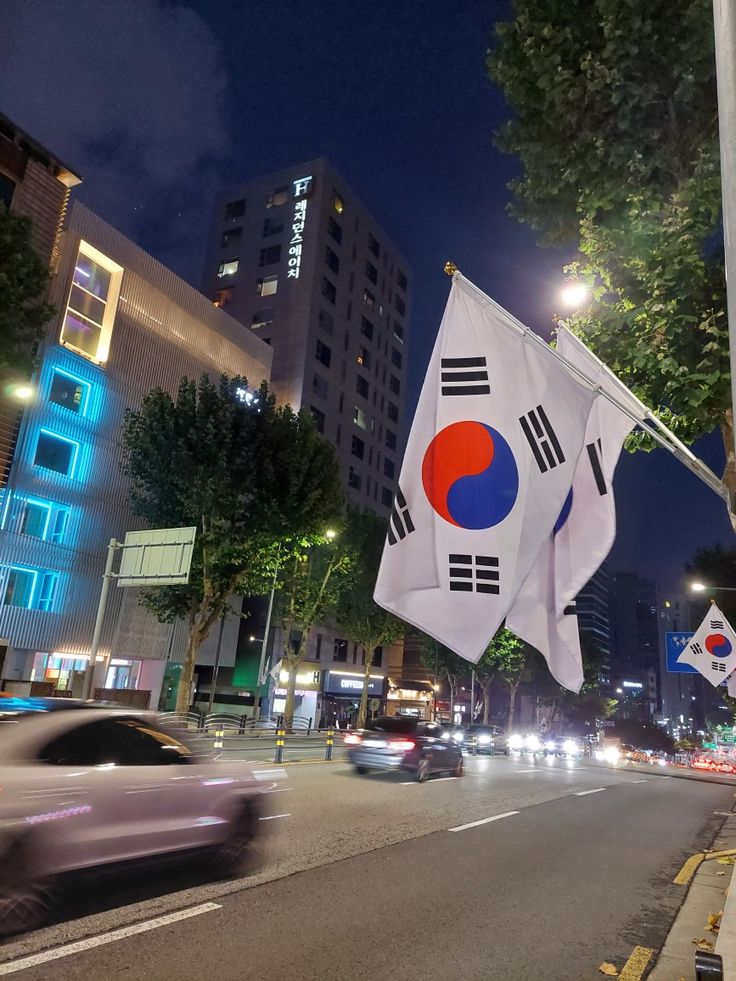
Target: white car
{"points": [[85, 787]]}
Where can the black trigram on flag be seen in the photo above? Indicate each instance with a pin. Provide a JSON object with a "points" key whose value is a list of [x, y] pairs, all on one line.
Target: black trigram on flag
{"points": [[716, 624], [696, 648], [595, 455], [400, 524], [542, 439], [570, 611], [718, 666], [465, 376], [477, 573]]}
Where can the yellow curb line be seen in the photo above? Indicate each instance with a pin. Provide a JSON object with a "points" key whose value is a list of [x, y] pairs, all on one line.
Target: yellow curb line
{"points": [[692, 865], [636, 965]]}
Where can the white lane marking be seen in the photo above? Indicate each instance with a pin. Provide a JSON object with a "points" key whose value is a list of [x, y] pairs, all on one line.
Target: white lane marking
{"points": [[12, 967], [277, 790], [640, 781], [475, 824], [272, 817], [535, 770], [583, 793], [415, 783], [269, 774]]}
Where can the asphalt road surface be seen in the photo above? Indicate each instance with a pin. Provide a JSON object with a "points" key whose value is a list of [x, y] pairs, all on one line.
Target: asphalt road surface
{"points": [[519, 870]]}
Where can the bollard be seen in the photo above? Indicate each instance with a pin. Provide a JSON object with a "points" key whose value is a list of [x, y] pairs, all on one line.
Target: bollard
{"points": [[280, 733], [329, 744], [708, 966], [475, 746], [219, 734]]}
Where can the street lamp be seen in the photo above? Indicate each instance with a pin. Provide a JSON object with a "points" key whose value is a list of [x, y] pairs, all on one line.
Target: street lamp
{"points": [[21, 392], [701, 587], [575, 294]]}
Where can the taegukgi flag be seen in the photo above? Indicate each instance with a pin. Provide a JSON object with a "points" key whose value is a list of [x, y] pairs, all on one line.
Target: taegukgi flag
{"points": [[493, 446], [712, 648]]}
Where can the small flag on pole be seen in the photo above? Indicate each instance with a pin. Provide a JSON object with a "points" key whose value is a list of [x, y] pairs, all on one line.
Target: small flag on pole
{"points": [[712, 649]]}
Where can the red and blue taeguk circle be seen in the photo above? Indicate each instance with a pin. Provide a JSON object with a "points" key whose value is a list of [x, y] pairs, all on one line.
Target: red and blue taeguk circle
{"points": [[470, 475], [718, 645]]}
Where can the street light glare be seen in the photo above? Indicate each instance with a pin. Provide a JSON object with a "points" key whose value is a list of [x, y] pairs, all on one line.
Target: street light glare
{"points": [[698, 587], [574, 295], [22, 392], [330, 534]]}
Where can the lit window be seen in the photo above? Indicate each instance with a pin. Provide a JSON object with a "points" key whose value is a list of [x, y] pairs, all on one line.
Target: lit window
{"points": [[93, 298], [69, 391], [222, 298], [228, 268], [279, 196], [33, 589], [359, 417], [267, 286], [56, 452], [337, 204]]}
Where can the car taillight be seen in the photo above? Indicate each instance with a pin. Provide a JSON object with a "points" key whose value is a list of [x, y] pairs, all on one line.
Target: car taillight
{"points": [[402, 745], [352, 739]]}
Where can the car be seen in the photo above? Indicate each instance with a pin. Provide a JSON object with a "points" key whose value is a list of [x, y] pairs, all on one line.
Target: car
{"points": [[454, 732], [529, 743], [565, 747], [487, 739], [90, 788], [402, 743]]}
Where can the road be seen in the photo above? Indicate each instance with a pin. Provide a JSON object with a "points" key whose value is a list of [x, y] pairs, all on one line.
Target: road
{"points": [[364, 878]]}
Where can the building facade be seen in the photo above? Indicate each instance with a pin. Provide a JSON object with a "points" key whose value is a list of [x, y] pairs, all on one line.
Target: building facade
{"points": [[594, 619], [125, 324], [635, 635]]}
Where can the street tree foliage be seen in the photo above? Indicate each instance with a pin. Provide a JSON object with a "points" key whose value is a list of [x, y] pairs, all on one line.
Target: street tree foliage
{"points": [[256, 479], [614, 123], [644, 735], [362, 620], [504, 659], [445, 664], [24, 312], [578, 708], [714, 565]]}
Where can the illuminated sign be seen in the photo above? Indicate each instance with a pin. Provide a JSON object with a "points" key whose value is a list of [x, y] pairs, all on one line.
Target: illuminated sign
{"points": [[633, 684], [351, 685], [300, 189], [344, 683]]}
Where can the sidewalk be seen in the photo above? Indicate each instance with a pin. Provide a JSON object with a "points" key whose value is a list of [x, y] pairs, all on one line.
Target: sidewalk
{"points": [[706, 896]]}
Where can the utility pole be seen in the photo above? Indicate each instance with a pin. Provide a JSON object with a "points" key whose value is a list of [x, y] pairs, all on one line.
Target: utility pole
{"points": [[107, 578]]}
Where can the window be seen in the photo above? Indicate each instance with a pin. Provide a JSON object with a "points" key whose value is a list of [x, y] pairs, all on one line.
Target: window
{"points": [[44, 519], [319, 386], [319, 419], [270, 255], [398, 332], [396, 357], [373, 245], [263, 318], [354, 479], [388, 468], [267, 286], [390, 439], [368, 485], [349, 310], [119, 741], [366, 328], [394, 384], [369, 300], [32, 589], [400, 305], [357, 447], [47, 591], [337, 204], [329, 290], [228, 268], [318, 648], [277, 197], [371, 272], [326, 321], [387, 498], [341, 402], [231, 237], [359, 417], [235, 209], [222, 298], [332, 260], [364, 358], [69, 391], [401, 279], [7, 189], [93, 300], [56, 453], [392, 412], [334, 229], [340, 650], [323, 354], [378, 657], [338, 434], [272, 227], [362, 387]]}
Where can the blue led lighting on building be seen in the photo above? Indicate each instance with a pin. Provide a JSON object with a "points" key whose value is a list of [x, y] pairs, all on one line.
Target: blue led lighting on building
{"points": [[71, 468]]}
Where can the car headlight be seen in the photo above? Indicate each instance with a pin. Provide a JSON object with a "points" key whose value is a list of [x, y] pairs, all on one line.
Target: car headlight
{"points": [[532, 743], [550, 745], [570, 746], [611, 754], [516, 742], [459, 737], [484, 739]]}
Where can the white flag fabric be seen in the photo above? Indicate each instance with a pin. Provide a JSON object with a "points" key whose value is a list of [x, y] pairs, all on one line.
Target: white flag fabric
{"points": [[712, 648], [732, 685], [490, 458]]}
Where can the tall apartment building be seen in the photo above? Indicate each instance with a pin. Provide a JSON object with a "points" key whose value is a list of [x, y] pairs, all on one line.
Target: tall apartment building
{"points": [[594, 618], [125, 324], [301, 263], [635, 635]]}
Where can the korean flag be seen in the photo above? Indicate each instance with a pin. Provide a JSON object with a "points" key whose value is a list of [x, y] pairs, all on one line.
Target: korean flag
{"points": [[712, 648]]}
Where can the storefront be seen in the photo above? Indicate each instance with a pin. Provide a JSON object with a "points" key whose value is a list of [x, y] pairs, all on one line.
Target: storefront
{"points": [[305, 694], [412, 698], [341, 693]]}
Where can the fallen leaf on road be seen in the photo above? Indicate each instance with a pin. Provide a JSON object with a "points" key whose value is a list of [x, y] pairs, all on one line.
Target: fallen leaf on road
{"points": [[720, 873], [728, 860], [609, 969], [714, 922], [702, 942]]}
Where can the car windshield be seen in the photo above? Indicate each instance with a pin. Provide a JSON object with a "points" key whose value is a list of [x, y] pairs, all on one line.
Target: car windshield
{"points": [[394, 723]]}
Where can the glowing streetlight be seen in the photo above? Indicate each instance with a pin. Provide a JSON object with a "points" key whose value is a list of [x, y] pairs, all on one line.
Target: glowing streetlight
{"points": [[330, 534], [22, 392], [698, 587], [701, 587], [574, 295]]}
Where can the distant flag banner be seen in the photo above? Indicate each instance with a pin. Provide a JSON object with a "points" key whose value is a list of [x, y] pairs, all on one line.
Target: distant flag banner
{"points": [[712, 648], [497, 433]]}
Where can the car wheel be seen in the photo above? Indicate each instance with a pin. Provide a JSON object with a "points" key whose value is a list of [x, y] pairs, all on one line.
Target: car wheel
{"points": [[459, 768], [360, 769], [25, 901], [423, 771], [235, 855]]}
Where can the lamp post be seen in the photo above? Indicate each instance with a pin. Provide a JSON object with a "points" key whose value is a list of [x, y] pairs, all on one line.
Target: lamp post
{"points": [[701, 587], [575, 294]]}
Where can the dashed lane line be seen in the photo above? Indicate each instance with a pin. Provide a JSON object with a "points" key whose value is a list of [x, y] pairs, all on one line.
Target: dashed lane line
{"points": [[584, 793], [272, 817], [476, 824]]}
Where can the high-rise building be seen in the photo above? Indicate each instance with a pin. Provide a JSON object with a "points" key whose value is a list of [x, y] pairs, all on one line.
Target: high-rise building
{"points": [[594, 618], [301, 263], [635, 635]]}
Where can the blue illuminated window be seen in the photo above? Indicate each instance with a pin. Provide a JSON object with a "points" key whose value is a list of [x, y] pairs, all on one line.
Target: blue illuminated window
{"points": [[33, 589], [44, 519], [69, 391], [56, 452]]}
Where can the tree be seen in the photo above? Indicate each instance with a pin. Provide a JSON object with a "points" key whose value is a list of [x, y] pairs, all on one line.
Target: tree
{"points": [[24, 312], [257, 481], [615, 125], [512, 671], [715, 565], [500, 659], [445, 663], [311, 583], [644, 735], [359, 616]]}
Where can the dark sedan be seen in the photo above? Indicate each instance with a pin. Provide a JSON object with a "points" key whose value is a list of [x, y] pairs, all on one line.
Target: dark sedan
{"points": [[400, 743], [487, 739]]}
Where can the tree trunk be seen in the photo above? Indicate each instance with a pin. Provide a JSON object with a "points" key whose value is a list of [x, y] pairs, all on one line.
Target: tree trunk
{"points": [[487, 702], [729, 473], [452, 698], [290, 694], [363, 706], [512, 706], [184, 692]]}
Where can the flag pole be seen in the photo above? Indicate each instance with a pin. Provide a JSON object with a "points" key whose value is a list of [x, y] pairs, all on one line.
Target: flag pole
{"points": [[664, 436], [724, 25]]}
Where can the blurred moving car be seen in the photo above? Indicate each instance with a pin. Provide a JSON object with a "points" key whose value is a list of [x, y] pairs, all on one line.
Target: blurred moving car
{"points": [[563, 747], [85, 787], [487, 739], [454, 732], [530, 743], [399, 743]]}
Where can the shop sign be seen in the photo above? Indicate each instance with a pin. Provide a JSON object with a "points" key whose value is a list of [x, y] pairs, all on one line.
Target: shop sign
{"points": [[338, 683]]}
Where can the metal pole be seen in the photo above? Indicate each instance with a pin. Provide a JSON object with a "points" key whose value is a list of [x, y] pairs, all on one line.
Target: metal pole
{"points": [[216, 669], [472, 696], [267, 630], [724, 23], [101, 607]]}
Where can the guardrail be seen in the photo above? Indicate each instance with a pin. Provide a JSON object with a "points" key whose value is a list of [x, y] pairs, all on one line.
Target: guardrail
{"points": [[278, 745], [236, 723]]}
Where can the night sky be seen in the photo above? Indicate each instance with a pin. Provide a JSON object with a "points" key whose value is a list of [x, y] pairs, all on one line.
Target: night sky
{"points": [[158, 105]]}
